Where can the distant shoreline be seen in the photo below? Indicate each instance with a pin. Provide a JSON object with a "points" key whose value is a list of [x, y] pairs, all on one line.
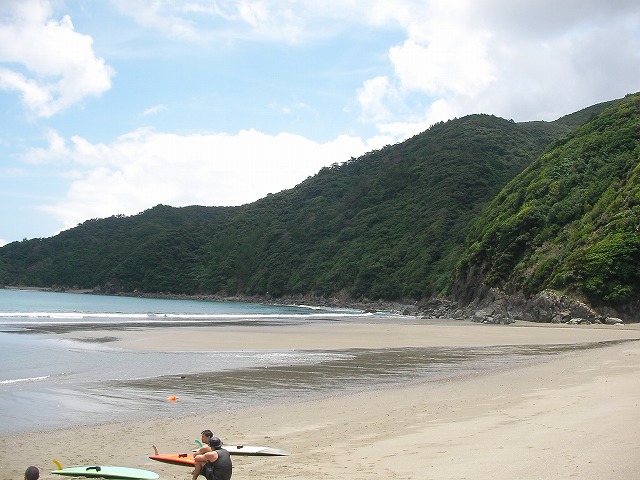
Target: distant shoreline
{"points": [[494, 309], [403, 308]]}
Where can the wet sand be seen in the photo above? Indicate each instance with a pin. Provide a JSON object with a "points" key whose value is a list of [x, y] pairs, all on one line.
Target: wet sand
{"points": [[576, 415], [387, 333]]}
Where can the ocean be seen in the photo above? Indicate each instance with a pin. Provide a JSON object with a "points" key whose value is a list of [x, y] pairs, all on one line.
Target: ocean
{"points": [[49, 381]]}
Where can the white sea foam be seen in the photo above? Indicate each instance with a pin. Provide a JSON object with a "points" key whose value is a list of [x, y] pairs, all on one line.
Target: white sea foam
{"points": [[62, 318], [286, 358], [20, 380]]}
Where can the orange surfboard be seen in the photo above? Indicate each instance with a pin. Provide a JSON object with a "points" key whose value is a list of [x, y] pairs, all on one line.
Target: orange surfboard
{"points": [[185, 459]]}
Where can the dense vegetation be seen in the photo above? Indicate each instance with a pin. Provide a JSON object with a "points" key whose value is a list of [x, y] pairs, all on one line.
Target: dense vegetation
{"points": [[391, 224], [571, 220]]}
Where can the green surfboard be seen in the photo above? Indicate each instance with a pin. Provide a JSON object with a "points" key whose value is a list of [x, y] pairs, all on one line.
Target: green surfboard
{"points": [[107, 471]]}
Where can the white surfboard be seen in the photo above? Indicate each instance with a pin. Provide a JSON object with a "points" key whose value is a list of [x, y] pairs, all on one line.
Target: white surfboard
{"points": [[253, 450], [107, 471]]}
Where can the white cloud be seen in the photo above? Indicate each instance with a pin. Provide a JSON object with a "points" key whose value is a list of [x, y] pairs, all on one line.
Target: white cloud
{"points": [[46, 61], [13, 172], [154, 110], [144, 168], [520, 60], [35, 96], [162, 16], [448, 64], [291, 21], [374, 98], [55, 151]]}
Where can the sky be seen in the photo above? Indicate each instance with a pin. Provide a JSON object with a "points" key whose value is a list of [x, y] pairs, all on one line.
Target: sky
{"points": [[110, 107]]}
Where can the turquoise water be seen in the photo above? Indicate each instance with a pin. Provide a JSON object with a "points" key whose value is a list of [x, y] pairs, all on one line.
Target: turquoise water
{"points": [[20, 309], [49, 380]]}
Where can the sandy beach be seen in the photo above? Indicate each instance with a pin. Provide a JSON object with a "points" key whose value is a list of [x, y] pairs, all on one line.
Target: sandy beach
{"points": [[574, 416]]}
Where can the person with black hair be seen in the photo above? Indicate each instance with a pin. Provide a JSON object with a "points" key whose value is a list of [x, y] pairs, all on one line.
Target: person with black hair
{"points": [[206, 435], [31, 473], [214, 465]]}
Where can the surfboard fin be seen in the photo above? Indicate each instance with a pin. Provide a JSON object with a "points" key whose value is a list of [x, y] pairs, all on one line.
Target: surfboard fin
{"points": [[57, 464]]}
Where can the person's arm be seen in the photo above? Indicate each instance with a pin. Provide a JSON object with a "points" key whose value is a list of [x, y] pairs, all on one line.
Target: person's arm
{"points": [[211, 456], [203, 449]]}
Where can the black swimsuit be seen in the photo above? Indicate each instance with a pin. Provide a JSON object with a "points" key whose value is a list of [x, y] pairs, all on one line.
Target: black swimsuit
{"points": [[220, 469]]}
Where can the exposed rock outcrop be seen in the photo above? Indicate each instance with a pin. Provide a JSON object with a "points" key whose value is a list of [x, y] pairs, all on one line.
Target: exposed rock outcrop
{"points": [[478, 302]]}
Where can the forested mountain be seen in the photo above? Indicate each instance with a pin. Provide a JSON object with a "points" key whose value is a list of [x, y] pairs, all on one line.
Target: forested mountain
{"points": [[391, 224], [571, 221]]}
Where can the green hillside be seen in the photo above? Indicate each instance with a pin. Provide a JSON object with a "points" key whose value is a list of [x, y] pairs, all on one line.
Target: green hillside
{"points": [[391, 224], [571, 221]]}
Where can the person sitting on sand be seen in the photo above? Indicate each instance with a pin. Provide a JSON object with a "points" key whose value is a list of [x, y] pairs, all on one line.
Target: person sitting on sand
{"points": [[214, 465], [31, 473], [206, 436]]}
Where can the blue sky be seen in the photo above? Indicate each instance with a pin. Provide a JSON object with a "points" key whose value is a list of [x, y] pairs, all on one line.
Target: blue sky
{"points": [[111, 107]]}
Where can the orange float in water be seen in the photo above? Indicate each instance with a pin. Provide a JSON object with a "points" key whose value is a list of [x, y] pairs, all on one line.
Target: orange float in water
{"points": [[172, 398]]}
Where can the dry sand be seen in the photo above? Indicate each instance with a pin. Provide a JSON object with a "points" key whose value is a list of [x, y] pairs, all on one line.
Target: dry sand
{"points": [[575, 416]]}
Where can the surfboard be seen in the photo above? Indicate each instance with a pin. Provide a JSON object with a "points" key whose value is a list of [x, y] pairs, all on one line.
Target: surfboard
{"points": [[186, 459], [107, 471], [249, 450], [254, 450]]}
